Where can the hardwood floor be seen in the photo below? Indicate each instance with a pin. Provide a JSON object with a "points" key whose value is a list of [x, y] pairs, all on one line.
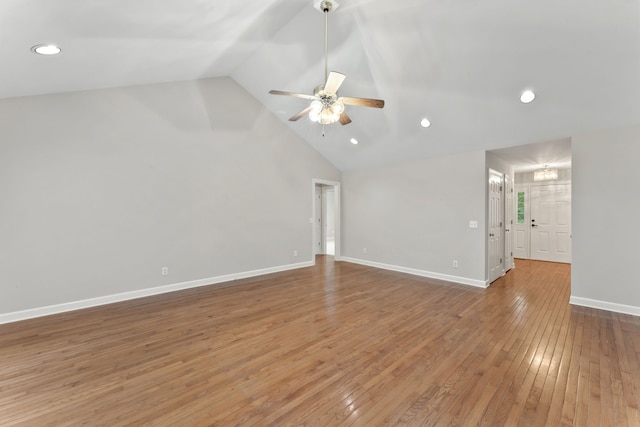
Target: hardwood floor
{"points": [[331, 345]]}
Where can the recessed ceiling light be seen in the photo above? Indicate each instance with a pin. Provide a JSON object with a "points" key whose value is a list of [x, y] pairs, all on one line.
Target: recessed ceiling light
{"points": [[425, 123], [46, 49], [354, 141], [527, 96]]}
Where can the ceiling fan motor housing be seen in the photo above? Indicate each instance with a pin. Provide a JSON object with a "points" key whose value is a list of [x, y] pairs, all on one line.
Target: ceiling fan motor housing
{"points": [[326, 98], [325, 5]]}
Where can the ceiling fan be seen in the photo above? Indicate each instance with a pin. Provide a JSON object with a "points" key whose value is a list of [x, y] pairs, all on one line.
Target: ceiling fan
{"points": [[326, 106]]}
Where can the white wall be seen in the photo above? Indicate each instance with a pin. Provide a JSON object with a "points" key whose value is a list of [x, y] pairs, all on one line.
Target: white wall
{"points": [[102, 189], [605, 178], [497, 164], [415, 216]]}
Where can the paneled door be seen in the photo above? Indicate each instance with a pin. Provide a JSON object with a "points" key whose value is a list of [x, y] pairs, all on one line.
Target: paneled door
{"points": [[509, 208], [551, 222], [496, 209]]}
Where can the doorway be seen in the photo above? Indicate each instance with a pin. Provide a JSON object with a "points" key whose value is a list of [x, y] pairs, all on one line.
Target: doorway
{"points": [[326, 218], [552, 205]]}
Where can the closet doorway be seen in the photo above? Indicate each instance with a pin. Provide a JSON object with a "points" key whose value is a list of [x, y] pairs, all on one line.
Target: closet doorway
{"points": [[326, 218]]}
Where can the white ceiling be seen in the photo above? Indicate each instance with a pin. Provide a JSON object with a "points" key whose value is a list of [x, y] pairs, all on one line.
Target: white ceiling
{"points": [[535, 156], [461, 63]]}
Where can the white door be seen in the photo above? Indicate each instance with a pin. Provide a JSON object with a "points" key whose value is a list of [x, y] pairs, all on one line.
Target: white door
{"points": [[496, 250], [521, 227], [551, 222], [509, 209]]}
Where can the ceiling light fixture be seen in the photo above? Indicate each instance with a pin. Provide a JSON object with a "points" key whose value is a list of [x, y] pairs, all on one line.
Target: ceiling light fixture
{"points": [[46, 49], [545, 174], [527, 96], [425, 123], [326, 110], [354, 141]]}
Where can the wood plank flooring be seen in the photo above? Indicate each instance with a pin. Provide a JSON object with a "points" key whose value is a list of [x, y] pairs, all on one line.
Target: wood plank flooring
{"points": [[337, 344]]}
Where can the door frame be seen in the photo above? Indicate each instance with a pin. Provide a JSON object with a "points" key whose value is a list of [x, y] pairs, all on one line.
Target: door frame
{"points": [[318, 222], [337, 215]]}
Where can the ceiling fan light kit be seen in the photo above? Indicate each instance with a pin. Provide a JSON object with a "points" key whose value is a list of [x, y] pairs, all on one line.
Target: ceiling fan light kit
{"points": [[326, 106]]}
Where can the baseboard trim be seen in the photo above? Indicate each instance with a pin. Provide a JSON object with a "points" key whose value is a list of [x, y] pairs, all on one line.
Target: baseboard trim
{"points": [[125, 296], [422, 273], [604, 305]]}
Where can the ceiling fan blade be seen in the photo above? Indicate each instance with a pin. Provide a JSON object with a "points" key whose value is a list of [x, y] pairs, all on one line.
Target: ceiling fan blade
{"points": [[334, 81], [363, 102], [344, 119], [296, 95], [300, 115]]}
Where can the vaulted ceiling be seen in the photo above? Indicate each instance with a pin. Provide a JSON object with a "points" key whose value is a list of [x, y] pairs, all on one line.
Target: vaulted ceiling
{"points": [[460, 63]]}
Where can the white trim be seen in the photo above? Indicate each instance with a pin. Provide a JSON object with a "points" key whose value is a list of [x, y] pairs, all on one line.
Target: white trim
{"points": [[604, 305], [124, 296], [422, 273]]}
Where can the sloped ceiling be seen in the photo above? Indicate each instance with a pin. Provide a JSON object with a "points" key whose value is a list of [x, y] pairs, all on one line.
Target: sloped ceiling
{"points": [[461, 63]]}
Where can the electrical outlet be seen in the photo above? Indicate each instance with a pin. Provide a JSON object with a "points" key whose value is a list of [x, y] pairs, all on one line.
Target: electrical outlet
{"points": [[473, 224], [455, 263], [364, 250], [165, 271], [295, 252]]}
